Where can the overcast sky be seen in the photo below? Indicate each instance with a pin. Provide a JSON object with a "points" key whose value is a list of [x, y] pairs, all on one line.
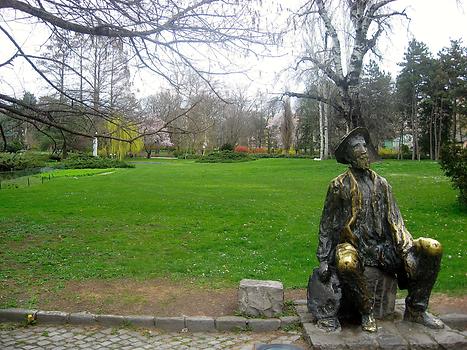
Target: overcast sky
{"points": [[434, 22]]}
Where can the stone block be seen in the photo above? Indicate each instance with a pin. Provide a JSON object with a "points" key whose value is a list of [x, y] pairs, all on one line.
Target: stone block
{"points": [[384, 289], [416, 336], [320, 340], [448, 339], [264, 325], [230, 323], [175, 324], [53, 317], [261, 298], [110, 320], [456, 321], [82, 318], [141, 321], [15, 315], [389, 338], [200, 324]]}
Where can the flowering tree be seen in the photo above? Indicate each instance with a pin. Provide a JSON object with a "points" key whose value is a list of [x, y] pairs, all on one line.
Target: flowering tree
{"points": [[157, 135]]}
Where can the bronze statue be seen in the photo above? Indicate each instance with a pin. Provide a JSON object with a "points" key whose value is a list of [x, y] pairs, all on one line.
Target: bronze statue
{"points": [[361, 228]]}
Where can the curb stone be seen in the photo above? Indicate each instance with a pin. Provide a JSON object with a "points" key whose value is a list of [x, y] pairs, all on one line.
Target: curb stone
{"points": [[191, 323], [110, 320], [287, 321], [200, 324], [231, 323], [82, 318], [175, 324], [16, 315], [54, 317], [141, 321], [457, 321], [264, 325]]}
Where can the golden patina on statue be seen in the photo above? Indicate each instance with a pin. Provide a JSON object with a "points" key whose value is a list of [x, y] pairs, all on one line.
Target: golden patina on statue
{"points": [[364, 249]]}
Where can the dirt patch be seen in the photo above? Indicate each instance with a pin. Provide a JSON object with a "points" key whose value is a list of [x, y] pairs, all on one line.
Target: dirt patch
{"points": [[168, 298], [444, 304]]}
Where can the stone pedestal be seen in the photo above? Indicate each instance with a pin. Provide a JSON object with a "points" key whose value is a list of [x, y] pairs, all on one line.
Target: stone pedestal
{"points": [[261, 298], [383, 288]]}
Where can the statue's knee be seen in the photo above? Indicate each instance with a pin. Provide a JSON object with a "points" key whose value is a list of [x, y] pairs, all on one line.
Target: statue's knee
{"points": [[428, 246], [347, 258]]}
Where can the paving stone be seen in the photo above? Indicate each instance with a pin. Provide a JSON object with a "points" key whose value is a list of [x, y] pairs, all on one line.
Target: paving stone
{"points": [[54, 317], [416, 336], [230, 323], [356, 339], [170, 323], [320, 340], [448, 339], [200, 324], [389, 338], [82, 318], [264, 325], [110, 320]]}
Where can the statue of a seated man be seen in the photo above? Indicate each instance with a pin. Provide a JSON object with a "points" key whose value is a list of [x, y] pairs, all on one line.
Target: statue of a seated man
{"points": [[361, 226]]}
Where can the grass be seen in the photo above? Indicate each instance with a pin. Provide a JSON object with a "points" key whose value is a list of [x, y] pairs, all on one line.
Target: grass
{"points": [[35, 179], [213, 223]]}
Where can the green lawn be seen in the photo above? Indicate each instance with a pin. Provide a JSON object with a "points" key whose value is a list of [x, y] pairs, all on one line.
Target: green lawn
{"points": [[216, 223]]}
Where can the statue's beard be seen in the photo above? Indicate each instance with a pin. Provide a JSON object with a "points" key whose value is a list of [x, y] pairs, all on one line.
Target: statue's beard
{"points": [[361, 162]]}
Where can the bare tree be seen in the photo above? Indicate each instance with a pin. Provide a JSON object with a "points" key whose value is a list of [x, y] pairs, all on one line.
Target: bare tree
{"points": [[346, 30], [158, 36], [287, 126]]}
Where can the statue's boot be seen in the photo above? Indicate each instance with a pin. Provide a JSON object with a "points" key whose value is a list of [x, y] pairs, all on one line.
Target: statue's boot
{"points": [[330, 324], [423, 317], [369, 323]]}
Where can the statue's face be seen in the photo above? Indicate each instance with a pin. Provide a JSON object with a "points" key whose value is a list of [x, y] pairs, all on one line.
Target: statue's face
{"points": [[358, 153]]}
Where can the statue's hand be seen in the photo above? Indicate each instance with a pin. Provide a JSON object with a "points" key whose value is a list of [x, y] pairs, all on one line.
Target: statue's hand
{"points": [[324, 273]]}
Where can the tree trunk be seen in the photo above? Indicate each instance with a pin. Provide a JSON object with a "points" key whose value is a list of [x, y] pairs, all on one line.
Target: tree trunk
{"points": [[321, 130], [326, 131], [401, 142], [2, 133], [454, 119], [433, 133], [440, 129]]}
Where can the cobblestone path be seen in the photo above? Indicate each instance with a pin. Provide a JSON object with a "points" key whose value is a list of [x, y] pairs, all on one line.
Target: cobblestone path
{"points": [[72, 337]]}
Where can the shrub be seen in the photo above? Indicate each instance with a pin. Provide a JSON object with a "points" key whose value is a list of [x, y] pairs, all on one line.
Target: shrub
{"points": [[241, 149], [387, 153], [189, 156], [453, 161], [258, 150], [227, 147], [19, 161], [85, 161], [225, 157]]}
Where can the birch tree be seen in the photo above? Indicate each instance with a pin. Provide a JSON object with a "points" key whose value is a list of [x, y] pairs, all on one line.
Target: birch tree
{"points": [[345, 31]]}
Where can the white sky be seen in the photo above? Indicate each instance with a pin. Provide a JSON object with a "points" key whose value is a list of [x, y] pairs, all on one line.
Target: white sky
{"points": [[435, 22]]}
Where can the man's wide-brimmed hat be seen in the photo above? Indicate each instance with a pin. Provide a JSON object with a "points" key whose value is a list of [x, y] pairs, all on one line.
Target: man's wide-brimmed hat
{"points": [[341, 150]]}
